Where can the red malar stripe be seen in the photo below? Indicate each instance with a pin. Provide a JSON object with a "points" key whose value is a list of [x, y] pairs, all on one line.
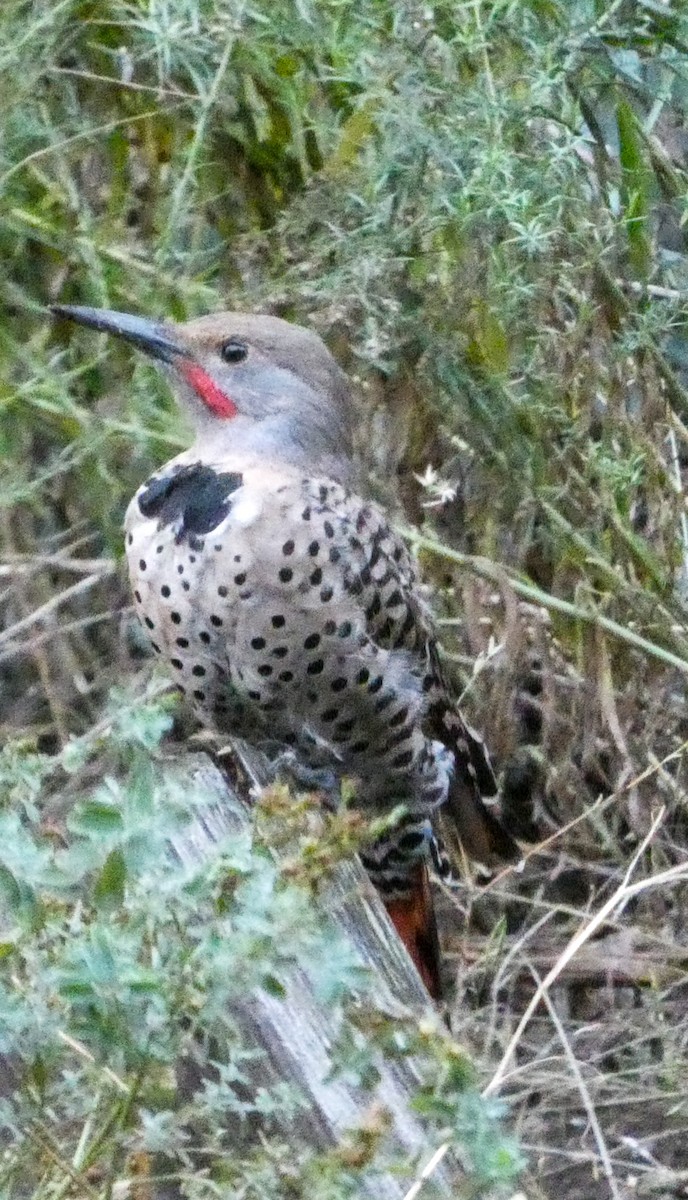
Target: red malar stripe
{"points": [[207, 389]]}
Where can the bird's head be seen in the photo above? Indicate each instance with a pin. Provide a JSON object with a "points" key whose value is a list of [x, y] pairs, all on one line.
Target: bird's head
{"points": [[249, 382]]}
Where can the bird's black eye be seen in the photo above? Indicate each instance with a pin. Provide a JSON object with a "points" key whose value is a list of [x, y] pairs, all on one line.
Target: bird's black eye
{"points": [[233, 350]]}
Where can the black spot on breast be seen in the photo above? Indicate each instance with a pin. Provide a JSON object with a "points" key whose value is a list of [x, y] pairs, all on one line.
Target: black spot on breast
{"points": [[359, 747], [374, 607], [403, 760], [195, 495], [407, 627], [399, 718], [411, 841]]}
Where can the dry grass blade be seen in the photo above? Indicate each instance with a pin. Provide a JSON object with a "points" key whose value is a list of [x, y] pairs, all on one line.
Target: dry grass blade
{"points": [[51, 606], [588, 1104], [613, 906]]}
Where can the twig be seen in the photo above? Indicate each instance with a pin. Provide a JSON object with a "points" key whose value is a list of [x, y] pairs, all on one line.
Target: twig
{"points": [[675, 473], [84, 1052], [487, 569], [619, 898], [83, 135], [174, 93], [50, 606], [427, 1171], [40, 639], [15, 564], [582, 1088]]}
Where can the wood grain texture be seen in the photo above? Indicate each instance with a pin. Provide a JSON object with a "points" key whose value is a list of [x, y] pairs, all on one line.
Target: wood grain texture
{"points": [[296, 1032]]}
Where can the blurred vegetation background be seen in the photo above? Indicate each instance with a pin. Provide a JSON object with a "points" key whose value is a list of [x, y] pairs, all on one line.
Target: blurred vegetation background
{"points": [[482, 207]]}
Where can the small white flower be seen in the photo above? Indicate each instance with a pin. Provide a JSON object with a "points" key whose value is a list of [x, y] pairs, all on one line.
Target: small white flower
{"points": [[440, 491]]}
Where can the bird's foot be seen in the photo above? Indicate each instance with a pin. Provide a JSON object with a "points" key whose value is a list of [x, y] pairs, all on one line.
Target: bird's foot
{"points": [[310, 779]]}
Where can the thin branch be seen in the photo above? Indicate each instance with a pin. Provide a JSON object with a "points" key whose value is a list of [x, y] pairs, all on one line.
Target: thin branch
{"points": [[619, 899], [129, 85], [582, 1088], [51, 606], [496, 574]]}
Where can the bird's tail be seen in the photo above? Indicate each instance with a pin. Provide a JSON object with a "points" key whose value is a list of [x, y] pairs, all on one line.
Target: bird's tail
{"points": [[413, 917]]}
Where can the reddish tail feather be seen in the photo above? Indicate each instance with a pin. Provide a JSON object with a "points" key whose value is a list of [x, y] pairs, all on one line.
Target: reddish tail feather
{"points": [[413, 917]]}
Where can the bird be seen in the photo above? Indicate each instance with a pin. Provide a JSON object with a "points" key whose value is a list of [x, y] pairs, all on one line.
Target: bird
{"points": [[286, 607]]}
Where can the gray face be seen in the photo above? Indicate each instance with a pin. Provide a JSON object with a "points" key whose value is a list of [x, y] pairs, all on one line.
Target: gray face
{"points": [[246, 380]]}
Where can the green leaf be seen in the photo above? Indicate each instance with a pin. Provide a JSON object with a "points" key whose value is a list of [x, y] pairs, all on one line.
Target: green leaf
{"points": [[19, 898], [109, 888], [273, 986], [637, 188], [488, 347], [96, 817]]}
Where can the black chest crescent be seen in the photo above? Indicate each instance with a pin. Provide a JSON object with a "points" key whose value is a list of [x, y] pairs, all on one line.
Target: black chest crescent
{"points": [[195, 499]]}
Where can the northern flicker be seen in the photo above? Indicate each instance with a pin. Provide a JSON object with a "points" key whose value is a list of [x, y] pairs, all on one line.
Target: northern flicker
{"points": [[286, 608]]}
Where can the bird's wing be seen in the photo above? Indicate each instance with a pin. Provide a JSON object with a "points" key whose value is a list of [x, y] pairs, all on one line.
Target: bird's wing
{"points": [[382, 573]]}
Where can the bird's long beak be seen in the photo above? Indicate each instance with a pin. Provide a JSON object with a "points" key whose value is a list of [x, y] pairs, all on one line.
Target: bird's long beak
{"points": [[154, 338]]}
